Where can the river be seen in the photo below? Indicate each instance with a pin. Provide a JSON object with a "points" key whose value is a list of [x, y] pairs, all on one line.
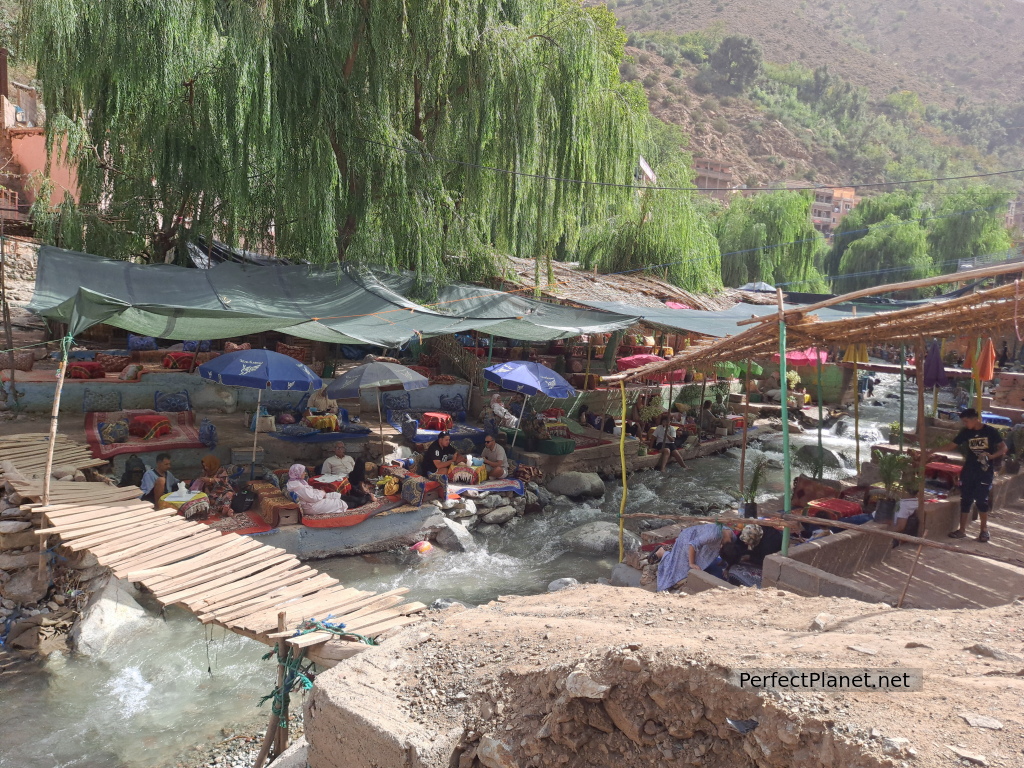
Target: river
{"points": [[146, 702]]}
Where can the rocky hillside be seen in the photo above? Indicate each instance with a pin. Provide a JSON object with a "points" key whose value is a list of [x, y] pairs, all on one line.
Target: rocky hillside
{"points": [[943, 49]]}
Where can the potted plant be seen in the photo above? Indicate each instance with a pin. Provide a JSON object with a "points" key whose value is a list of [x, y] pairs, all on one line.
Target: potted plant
{"points": [[1015, 442], [750, 493], [891, 467]]}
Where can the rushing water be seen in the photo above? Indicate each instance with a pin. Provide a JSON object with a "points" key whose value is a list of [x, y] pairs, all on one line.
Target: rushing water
{"points": [[171, 686]]}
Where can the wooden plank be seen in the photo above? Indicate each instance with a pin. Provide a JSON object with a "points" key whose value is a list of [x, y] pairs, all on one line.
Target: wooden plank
{"points": [[108, 541], [171, 553], [256, 584], [298, 605], [78, 513], [378, 629], [97, 525], [207, 585], [316, 607], [310, 638], [284, 598], [253, 604], [302, 581], [376, 605], [64, 488], [126, 560], [120, 553], [234, 550], [100, 543]]}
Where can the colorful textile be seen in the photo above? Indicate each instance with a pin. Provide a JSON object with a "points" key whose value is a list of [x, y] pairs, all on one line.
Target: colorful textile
{"points": [[198, 507], [112, 363], [149, 426], [299, 353], [491, 486], [328, 422], [242, 523], [179, 361], [351, 517], [85, 370], [338, 486], [140, 343], [172, 402], [196, 346], [101, 400], [113, 431], [463, 475], [436, 421], [24, 359], [183, 434], [418, 490], [230, 346]]}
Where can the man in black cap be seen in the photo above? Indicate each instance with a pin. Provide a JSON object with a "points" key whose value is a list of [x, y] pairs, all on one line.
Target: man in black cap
{"points": [[982, 446], [439, 456]]}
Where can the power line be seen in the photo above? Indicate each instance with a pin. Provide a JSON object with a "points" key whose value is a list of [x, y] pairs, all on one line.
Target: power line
{"points": [[584, 182]]}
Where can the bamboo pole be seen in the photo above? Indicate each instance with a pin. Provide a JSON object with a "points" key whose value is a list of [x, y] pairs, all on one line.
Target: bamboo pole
{"points": [[977, 372], [922, 436], [272, 728], [255, 433], [927, 282], [622, 461], [856, 409], [910, 576], [54, 411], [903, 378], [380, 424], [787, 479], [746, 418], [821, 451], [8, 333]]}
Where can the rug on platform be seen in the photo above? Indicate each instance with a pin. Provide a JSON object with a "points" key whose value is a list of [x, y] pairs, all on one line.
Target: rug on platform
{"points": [[491, 486], [183, 434], [582, 443], [351, 516], [243, 523], [320, 437]]}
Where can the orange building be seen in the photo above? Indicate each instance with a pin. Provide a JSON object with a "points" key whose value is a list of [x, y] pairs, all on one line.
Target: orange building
{"points": [[830, 206]]}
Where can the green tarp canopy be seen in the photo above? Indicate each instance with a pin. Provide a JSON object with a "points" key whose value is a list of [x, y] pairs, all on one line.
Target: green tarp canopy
{"points": [[335, 305], [719, 323]]}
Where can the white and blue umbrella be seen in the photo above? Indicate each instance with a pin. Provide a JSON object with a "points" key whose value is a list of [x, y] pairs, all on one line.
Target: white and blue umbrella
{"points": [[529, 378], [260, 369]]}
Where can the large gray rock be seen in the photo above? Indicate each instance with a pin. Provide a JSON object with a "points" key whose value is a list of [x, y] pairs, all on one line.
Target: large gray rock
{"points": [[110, 616], [577, 485], [455, 537], [809, 455], [544, 496], [14, 526], [600, 538], [10, 561], [564, 583], [488, 530], [625, 576], [25, 587], [499, 516]]}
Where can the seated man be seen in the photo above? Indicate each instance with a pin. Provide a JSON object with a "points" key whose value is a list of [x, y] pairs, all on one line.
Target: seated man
{"points": [[156, 482], [495, 459], [321, 411], [439, 456], [343, 465], [708, 420], [664, 440]]}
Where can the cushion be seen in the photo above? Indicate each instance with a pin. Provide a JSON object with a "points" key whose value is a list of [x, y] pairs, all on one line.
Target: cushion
{"points": [[101, 400], [438, 421], [230, 346], [299, 353], [419, 490], [452, 403], [131, 372], [395, 401], [113, 431], [149, 425], [181, 361], [112, 363], [140, 343], [172, 402], [296, 430], [208, 433], [85, 370], [196, 346], [24, 359]]}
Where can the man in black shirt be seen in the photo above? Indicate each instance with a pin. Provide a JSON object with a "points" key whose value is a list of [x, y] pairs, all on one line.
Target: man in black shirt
{"points": [[981, 445], [439, 456]]}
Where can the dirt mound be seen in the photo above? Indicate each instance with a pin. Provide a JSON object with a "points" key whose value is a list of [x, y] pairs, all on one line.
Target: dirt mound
{"points": [[600, 676]]}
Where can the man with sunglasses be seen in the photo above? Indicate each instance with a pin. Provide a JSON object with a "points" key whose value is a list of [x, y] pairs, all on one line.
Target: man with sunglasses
{"points": [[494, 458]]}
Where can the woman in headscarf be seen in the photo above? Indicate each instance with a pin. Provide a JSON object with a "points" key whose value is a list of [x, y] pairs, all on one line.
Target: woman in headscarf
{"points": [[313, 501], [495, 410], [697, 547], [214, 483]]}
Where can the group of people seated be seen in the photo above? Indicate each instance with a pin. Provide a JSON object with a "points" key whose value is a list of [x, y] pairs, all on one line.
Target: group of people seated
{"points": [[441, 456]]}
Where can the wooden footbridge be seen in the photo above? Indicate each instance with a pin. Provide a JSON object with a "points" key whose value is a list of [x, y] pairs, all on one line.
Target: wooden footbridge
{"points": [[224, 579]]}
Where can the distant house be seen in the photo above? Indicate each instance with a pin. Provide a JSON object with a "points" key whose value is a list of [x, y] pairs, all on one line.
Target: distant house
{"points": [[1015, 215], [714, 178], [830, 206]]}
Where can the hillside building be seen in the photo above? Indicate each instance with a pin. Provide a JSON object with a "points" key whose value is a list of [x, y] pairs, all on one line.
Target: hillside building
{"points": [[714, 178], [1015, 215], [830, 206]]}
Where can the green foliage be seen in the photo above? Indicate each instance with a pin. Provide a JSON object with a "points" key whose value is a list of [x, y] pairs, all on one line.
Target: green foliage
{"points": [[770, 237], [896, 248], [871, 210], [324, 129], [969, 224], [891, 468], [667, 229], [734, 66], [756, 476]]}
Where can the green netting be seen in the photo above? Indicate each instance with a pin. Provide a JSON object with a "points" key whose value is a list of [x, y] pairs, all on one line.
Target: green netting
{"points": [[340, 305]]}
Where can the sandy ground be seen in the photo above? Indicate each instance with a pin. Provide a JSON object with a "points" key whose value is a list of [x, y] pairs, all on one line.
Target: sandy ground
{"points": [[500, 672]]}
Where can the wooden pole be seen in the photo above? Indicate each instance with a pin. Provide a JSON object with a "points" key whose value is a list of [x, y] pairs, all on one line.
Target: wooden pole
{"points": [[903, 378], [622, 462], [910, 575], [8, 333], [821, 451], [977, 372], [787, 472], [856, 408], [746, 418], [255, 433], [922, 434], [54, 411], [586, 376], [380, 424], [927, 282], [272, 728]]}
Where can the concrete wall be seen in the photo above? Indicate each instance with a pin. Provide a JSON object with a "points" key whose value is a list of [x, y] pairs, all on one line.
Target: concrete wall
{"points": [[28, 149]]}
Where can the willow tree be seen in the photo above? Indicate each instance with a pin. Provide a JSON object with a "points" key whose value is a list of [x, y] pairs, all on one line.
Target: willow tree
{"points": [[423, 134], [668, 233], [770, 238], [872, 210], [893, 250], [968, 224]]}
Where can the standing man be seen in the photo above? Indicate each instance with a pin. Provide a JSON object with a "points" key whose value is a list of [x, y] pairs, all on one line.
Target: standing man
{"points": [[495, 458], [981, 445]]}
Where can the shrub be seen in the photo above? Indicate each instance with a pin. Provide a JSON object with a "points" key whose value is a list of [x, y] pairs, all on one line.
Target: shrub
{"points": [[628, 71], [721, 125], [651, 80]]}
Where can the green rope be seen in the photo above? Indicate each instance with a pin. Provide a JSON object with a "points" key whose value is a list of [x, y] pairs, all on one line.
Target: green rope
{"points": [[27, 346], [324, 625], [297, 676]]}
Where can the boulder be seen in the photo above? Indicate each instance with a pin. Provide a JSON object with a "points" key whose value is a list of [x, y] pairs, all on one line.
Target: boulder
{"points": [[580, 685], [111, 615], [490, 502], [19, 540], [809, 455], [443, 603], [544, 496], [519, 504], [625, 576], [600, 538], [577, 485], [494, 753], [25, 587], [499, 516], [14, 526], [560, 584], [488, 529], [455, 537], [12, 561]]}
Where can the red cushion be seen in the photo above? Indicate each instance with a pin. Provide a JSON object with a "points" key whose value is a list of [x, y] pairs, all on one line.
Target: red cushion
{"points": [[149, 425], [179, 360], [85, 370], [833, 509], [438, 421]]}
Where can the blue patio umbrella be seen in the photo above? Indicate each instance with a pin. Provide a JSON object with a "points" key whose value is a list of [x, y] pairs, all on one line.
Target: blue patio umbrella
{"points": [[260, 369], [375, 375], [530, 379]]}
